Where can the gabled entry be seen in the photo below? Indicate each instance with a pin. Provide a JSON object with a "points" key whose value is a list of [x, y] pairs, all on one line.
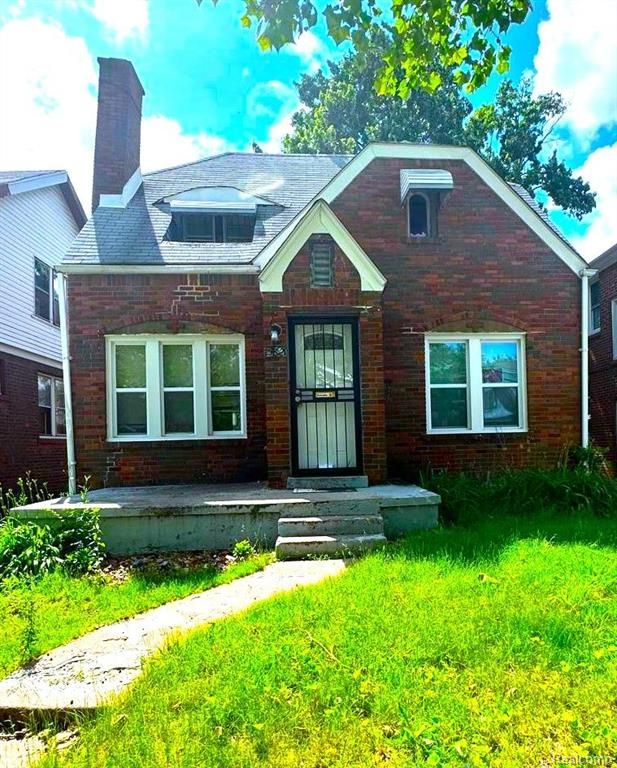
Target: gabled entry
{"points": [[326, 428]]}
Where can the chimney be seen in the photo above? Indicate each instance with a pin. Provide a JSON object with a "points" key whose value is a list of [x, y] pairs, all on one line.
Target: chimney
{"points": [[118, 129]]}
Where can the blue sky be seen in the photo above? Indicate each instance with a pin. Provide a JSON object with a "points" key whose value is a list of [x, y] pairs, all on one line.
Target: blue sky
{"points": [[209, 88]]}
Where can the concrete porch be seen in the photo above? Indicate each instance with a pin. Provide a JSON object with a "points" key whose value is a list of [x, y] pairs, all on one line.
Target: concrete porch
{"points": [[299, 522]]}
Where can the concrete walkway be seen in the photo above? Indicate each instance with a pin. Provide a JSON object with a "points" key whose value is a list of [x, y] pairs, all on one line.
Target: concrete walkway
{"points": [[83, 674]]}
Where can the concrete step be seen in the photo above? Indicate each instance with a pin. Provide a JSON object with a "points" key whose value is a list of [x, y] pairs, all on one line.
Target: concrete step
{"points": [[330, 525], [297, 547], [321, 483], [341, 503]]}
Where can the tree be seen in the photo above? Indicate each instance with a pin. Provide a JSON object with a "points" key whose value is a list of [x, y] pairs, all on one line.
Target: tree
{"points": [[341, 112], [428, 36], [513, 134]]}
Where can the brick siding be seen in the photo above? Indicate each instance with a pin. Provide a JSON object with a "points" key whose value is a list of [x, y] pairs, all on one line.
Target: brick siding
{"points": [[22, 449], [603, 370]]}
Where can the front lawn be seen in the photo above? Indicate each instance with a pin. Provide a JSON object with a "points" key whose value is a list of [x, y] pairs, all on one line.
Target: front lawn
{"points": [[59, 607], [492, 645]]}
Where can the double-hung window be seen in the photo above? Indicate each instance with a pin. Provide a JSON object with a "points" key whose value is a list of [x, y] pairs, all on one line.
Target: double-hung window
{"points": [[175, 387], [475, 383], [46, 304], [51, 406], [594, 307]]}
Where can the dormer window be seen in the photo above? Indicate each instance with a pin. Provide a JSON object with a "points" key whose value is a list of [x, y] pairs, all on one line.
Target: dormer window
{"points": [[422, 191], [212, 228], [419, 215], [212, 215]]}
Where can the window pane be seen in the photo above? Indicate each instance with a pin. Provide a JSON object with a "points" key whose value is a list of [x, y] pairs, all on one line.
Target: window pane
{"points": [[41, 304], [500, 406], [418, 215], [179, 412], [130, 366], [595, 318], [225, 411], [224, 365], [594, 293], [449, 408], [41, 276], [499, 361], [177, 365], [239, 228], [448, 362], [59, 398], [199, 228], [131, 413], [56, 304], [44, 384], [45, 420]]}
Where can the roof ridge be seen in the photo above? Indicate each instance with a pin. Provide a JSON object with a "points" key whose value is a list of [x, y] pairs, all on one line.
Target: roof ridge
{"points": [[192, 162]]}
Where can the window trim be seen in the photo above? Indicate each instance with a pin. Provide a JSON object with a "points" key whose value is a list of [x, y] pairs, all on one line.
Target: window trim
{"points": [[475, 386], [54, 424], [427, 200], [54, 316], [155, 392], [593, 330]]}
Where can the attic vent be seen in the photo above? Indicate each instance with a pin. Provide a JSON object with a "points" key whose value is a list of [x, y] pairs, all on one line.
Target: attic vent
{"points": [[322, 258]]}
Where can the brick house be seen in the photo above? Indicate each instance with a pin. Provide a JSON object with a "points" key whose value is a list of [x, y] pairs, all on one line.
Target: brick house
{"points": [[603, 352], [281, 316], [40, 215]]}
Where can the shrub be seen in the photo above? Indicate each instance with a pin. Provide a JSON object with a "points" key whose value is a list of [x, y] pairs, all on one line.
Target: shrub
{"points": [[73, 543], [468, 497], [243, 549]]}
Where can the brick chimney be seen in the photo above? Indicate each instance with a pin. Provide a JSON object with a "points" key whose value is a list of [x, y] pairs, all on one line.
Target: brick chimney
{"points": [[118, 128]]}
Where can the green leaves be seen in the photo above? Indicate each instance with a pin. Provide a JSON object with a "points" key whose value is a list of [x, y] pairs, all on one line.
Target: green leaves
{"points": [[424, 36]]}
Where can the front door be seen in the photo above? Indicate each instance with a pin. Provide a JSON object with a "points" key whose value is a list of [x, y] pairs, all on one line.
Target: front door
{"points": [[325, 396]]}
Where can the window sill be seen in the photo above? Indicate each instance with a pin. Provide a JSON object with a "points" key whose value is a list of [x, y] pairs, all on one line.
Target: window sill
{"points": [[471, 432], [50, 323], [174, 439], [52, 438], [419, 240]]}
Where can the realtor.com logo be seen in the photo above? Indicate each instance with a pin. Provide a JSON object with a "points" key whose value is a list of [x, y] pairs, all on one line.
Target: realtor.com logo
{"points": [[563, 760]]}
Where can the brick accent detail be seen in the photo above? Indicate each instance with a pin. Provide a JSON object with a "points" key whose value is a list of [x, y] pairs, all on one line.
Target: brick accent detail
{"points": [[485, 271], [118, 127], [101, 305], [345, 297], [603, 370], [21, 447]]}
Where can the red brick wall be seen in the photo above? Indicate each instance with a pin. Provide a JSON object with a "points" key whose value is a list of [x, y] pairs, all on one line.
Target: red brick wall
{"points": [[101, 305], [345, 297], [603, 370], [486, 270], [22, 450]]}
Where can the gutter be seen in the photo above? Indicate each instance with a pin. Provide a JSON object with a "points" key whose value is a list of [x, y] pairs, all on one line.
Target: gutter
{"points": [[66, 375], [585, 274]]}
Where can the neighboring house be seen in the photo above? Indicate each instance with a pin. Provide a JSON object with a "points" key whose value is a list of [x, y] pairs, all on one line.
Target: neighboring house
{"points": [[603, 352], [272, 316], [40, 215]]}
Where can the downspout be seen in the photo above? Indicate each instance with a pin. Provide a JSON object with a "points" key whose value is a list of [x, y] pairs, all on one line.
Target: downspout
{"points": [[585, 274], [66, 375]]}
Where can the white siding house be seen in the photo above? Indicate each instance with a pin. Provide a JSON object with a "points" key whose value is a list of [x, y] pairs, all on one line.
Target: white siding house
{"points": [[34, 224]]}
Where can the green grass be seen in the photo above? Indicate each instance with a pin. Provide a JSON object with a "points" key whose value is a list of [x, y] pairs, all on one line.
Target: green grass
{"points": [[488, 646], [66, 607]]}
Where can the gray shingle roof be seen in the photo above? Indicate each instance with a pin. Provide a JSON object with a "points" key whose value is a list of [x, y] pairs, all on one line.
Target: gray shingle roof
{"points": [[6, 177], [134, 235], [542, 213], [606, 259]]}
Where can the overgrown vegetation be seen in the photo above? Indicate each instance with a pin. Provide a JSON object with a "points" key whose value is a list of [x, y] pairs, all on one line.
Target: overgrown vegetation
{"points": [[484, 646], [29, 491], [580, 484]]}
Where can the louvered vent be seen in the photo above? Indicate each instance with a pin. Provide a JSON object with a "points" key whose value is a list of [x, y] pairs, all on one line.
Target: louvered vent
{"points": [[322, 265]]}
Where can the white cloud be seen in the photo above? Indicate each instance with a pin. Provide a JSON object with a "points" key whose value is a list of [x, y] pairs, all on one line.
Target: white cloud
{"points": [[164, 144], [277, 102], [600, 170], [123, 19], [49, 119], [49, 101], [576, 57], [277, 133], [310, 49]]}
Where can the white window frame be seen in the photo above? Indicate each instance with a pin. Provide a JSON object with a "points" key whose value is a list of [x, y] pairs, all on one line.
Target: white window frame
{"points": [[614, 326], [594, 329], [154, 386], [475, 385], [427, 200], [54, 397], [54, 316]]}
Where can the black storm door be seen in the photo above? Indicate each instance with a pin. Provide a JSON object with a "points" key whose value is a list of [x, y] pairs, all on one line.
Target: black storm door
{"points": [[325, 396]]}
